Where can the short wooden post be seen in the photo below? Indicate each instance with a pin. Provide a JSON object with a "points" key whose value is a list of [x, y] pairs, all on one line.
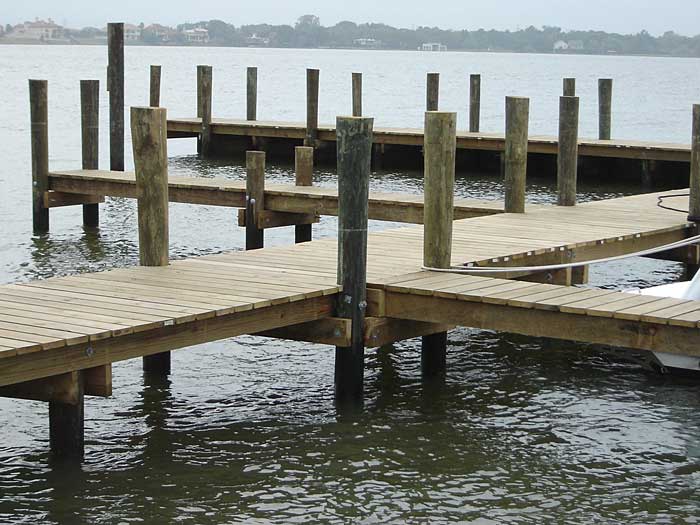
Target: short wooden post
{"points": [[440, 147], [312, 91], [252, 93], [474, 103], [354, 135], [567, 158], [154, 98], [67, 423], [255, 199], [517, 119], [357, 94], [90, 133], [569, 87], [432, 92], [304, 169], [150, 145], [115, 86], [39, 119], [605, 88], [694, 211], [206, 87]]}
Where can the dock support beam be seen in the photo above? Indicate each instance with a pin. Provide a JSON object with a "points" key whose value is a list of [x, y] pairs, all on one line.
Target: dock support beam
{"points": [[357, 94], [251, 93], [255, 199], [115, 86], [206, 95], [39, 119], [354, 158], [432, 92], [567, 158], [440, 147], [605, 88], [569, 87], [694, 211], [90, 134], [67, 421], [154, 91], [149, 136], [312, 90], [304, 170], [515, 163], [474, 103]]}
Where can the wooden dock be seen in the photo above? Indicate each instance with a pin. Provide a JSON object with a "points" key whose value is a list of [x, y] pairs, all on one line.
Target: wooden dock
{"points": [[295, 132], [64, 324]]}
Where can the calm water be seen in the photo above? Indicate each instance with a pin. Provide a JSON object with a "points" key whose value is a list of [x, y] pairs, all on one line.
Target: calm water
{"points": [[523, 431]]}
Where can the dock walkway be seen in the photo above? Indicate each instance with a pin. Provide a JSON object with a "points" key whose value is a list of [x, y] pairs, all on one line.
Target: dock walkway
{"points": [[623, 149], [65, 324]]}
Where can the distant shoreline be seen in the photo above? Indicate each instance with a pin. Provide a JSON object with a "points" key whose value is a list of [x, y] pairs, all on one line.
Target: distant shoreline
{"points": [[103, 42]]}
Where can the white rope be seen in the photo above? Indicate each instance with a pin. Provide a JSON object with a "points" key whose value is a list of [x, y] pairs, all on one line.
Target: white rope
{"points": [[502, 269]]}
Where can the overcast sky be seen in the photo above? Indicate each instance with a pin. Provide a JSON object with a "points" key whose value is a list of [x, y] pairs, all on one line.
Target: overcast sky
{"points": [[627, 16]]}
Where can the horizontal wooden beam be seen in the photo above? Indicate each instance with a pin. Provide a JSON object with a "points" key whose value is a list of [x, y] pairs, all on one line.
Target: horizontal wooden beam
{"points": [[98, 381], [331, 331], [276, 219], [57, 199], [63, 388], [544, 323], [37, 365], [381, 331]]}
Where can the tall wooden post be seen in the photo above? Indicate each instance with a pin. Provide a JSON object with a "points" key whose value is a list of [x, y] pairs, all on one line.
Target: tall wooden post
{"points": [[312, 90], [304, 169], [67, 423], [694, 212], [115, 86], [200, 73], [569, 87], [39, 119], [255, 199], [439, 153], [149, 137], [567, 158], [206, 96], [432, 92], [252, 93], [354, 136], [90, 133], [357, 94], [517, 119], [474, 103], [154, 98], [605, 88]]}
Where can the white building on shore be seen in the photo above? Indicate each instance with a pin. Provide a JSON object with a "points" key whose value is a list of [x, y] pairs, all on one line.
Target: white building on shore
{"points": [[39, 30]]}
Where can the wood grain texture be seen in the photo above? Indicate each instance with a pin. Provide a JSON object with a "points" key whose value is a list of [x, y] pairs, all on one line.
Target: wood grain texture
{"points": [[517, 122]]}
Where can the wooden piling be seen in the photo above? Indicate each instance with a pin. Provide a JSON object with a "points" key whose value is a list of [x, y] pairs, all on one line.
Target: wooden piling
{"points": [[357, 94], [150, 145], [440, 148], [312, 91], [605, 88], [67, 422], [517, 119], [569, 87], [39, 119], [567, 158], [304, 170], [200, 69], [115, 86], [432, 92], [694, 211], [354, 157], [255, 199], [90, 134], [154, 98], [206, 101], [252, 93], [474, 103]]}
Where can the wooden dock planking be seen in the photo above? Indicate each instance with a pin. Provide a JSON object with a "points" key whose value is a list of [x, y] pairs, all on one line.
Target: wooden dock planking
{"points": [[627, 149], [142, 311], [407, 208]]}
